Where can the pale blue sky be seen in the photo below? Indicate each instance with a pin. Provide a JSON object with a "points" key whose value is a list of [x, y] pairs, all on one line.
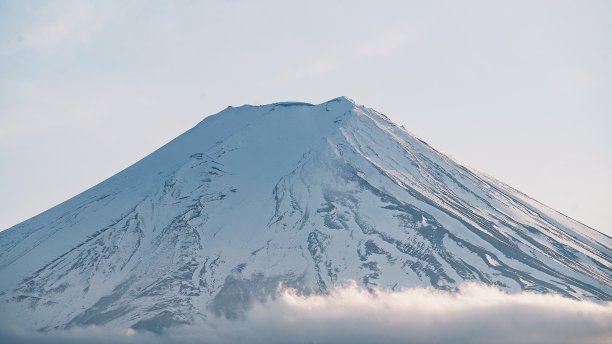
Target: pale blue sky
{"points": [[521, 90]]}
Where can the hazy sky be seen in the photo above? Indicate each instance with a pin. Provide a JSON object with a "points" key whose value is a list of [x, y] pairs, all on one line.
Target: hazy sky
{"points": [[521, 90]]}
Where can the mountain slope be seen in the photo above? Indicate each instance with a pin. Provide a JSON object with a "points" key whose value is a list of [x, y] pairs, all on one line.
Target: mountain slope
{"points": [[293, 193]]}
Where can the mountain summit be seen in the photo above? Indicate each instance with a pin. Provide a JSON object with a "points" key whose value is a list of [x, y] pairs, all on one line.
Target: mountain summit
{"points": [[305, 195]]}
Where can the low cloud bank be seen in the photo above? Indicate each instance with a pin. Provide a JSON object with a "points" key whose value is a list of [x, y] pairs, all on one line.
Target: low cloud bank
{"points": [[476, 314]]}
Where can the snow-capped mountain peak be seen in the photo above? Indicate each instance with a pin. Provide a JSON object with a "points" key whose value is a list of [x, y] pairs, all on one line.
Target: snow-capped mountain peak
{"points": [[305, 195]]}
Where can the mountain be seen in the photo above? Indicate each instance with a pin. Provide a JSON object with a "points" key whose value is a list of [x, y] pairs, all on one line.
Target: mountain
{"points": [[305, 195]]}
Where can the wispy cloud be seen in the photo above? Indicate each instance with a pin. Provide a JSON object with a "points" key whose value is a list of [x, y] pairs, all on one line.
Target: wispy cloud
{"points": [[477, 314], [52, 24]]}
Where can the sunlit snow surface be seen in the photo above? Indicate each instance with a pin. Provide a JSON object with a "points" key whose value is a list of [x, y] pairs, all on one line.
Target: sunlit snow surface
{"points": [[290, 193]]}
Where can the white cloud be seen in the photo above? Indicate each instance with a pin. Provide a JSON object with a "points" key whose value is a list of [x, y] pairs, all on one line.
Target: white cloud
{"points": [[476, 314]]}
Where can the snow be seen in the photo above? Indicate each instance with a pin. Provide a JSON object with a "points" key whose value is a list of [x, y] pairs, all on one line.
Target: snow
{"points": [[491, 260]]}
